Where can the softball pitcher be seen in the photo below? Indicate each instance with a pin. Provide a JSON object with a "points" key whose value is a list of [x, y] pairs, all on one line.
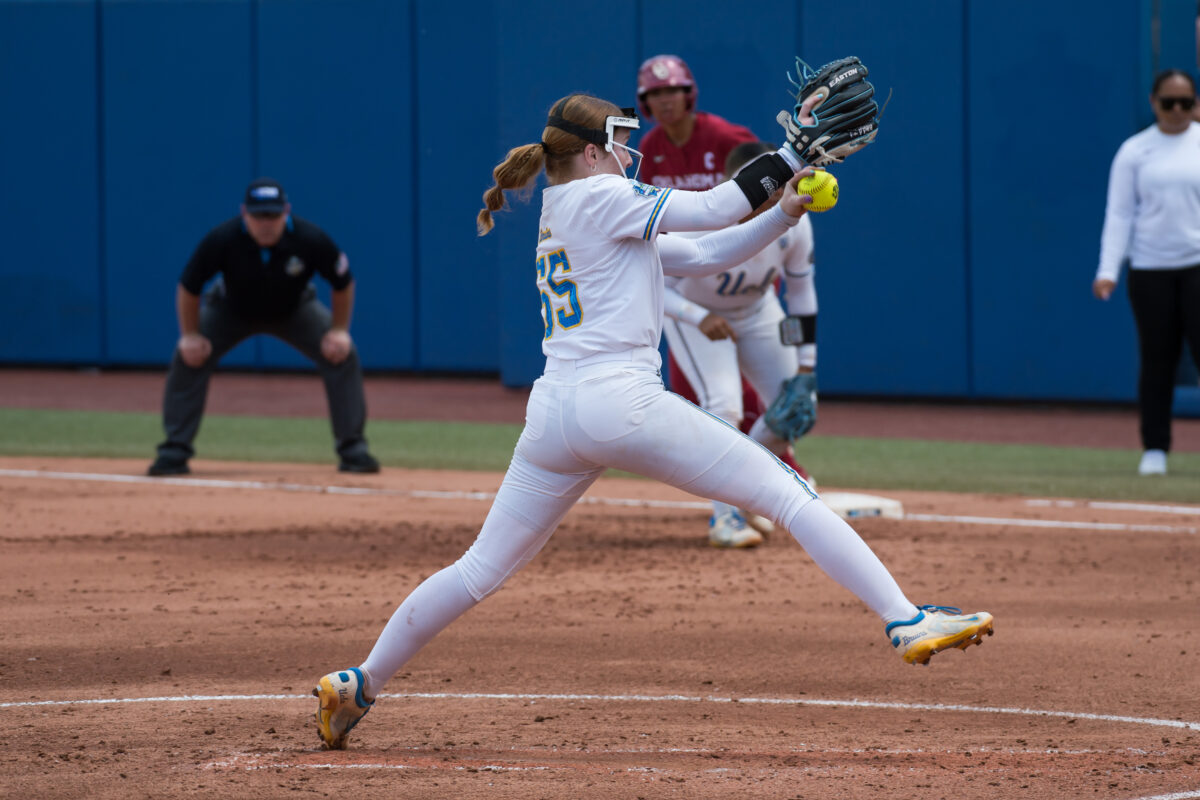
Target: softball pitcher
{"points": [[720, 327], [601, 403]]}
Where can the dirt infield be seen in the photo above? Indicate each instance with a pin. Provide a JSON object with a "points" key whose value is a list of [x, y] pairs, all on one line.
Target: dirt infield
{"points": [[160, 638]]}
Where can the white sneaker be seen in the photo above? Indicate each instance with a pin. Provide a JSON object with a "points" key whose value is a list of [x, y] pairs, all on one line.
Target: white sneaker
{"points": [[1154, 462], [730, 530]]}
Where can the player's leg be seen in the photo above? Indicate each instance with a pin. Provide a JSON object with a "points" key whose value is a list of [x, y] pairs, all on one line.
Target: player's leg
{"points": [[1153, 295], [1189, 303], [343, 381], [529, 506], [186, 387], [541, 485], [679, 444], [767, 363], [711, 369]]}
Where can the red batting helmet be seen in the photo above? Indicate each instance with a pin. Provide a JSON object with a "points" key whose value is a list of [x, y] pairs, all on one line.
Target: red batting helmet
{"points": [[665, 70]]}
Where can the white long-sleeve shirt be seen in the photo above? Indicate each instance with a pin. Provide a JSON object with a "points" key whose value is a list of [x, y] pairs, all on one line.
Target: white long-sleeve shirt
{"points": [[1153, 210]]}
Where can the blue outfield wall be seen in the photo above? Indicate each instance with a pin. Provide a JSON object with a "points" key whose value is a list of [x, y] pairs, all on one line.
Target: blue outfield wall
{"points": [[957, 264], [52, 274], [178, 143]]}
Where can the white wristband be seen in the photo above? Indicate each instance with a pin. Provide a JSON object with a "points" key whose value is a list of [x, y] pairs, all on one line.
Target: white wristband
{"points": [[789, 155], [808, 355]]}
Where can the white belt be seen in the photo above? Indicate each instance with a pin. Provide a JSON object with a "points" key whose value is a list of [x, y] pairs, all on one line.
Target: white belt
{"points": [[639, 355]]}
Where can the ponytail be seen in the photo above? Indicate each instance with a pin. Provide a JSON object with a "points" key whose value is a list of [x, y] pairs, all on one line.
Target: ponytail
{"points": [[518, 171]]}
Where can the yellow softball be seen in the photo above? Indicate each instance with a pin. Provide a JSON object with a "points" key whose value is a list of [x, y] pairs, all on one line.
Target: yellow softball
{"points": [[822, 187]]}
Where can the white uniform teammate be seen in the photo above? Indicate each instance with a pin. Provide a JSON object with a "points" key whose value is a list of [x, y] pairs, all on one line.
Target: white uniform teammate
{"points": [[722, 326], [601, 402]]}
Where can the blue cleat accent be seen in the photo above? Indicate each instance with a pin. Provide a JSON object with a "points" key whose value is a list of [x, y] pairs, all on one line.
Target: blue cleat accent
{"points": [[937, 628], [341, 704]]}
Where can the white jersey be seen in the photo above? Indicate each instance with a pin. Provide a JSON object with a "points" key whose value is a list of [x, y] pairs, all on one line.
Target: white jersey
{"points": [[598, 268], [744, 286], [1153, 209]]}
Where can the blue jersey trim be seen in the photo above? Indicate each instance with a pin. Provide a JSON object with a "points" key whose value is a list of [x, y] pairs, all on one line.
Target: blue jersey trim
{"points": [[658, 207]]}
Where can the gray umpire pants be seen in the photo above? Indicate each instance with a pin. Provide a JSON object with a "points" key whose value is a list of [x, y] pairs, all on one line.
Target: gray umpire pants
{"points": [[187, 387]]}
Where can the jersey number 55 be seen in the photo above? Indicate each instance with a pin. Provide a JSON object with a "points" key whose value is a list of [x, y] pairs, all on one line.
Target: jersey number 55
{"points": [[563, 308]]}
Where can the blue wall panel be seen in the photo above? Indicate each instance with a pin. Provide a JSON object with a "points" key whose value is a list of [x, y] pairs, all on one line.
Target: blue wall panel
{"points": [[49, 202], [334, 125], [1177, 36], [891, 274], [177, 127], [457, 315], [739, 60], [1039, 167], [958, 262], [530, 79]]}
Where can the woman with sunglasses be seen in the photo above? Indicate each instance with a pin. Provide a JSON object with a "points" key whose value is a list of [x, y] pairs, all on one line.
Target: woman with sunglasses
{"points": [[600, 403], [1153, 219]]}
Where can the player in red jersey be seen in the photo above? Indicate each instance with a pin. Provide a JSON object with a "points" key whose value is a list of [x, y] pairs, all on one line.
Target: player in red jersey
{"points": [[686, 149]]}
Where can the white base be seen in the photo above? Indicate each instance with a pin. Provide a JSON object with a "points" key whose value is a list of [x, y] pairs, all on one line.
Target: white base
{"points": [[851, 505]]}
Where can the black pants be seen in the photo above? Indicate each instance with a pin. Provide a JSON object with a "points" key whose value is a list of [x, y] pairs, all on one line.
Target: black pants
{"points": [[1166, 307], [187, 387]]}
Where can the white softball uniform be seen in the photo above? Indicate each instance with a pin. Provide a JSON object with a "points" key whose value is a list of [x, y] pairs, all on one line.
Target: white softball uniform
{"points": [[601, 403], [745, 296]]}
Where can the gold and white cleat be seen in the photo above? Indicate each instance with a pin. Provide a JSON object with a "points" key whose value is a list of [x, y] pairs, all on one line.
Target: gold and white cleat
{"points": [[937, 628], [341, 704]]}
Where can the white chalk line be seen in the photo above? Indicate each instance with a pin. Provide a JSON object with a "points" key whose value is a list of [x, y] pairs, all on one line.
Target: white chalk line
{"points": [[638, 698], [282, 486], [697, 505], [1112, 505], [234, 762], [1016, 522]]}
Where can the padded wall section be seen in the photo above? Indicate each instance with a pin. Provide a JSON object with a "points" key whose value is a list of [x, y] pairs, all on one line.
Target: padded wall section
{"points": [[458, 313], [49, 206], [178, 122], [958, 262], [335, 125], [738, 58], [1039, 175], [892, 266]]}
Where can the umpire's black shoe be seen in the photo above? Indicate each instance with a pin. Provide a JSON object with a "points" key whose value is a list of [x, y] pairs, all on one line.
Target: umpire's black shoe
{"points": [[165, 465], [363, 463]]}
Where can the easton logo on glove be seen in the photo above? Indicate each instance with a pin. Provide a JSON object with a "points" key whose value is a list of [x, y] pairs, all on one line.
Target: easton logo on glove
{"points": [[845, 114]]}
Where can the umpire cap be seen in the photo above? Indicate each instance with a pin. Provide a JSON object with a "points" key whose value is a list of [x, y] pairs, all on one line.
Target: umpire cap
{"points": [[265, 196]]}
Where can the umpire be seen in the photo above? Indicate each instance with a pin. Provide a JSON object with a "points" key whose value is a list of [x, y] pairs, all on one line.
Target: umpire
{"points": [[266, 258]]}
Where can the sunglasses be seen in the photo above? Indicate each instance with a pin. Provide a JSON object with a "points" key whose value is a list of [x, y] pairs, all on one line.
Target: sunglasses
{"points": [[266, 214], [1168, 103]]}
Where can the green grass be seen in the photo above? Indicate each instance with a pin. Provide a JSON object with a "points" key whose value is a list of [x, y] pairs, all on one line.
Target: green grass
{"points": [[107, 434], [844, 462]]}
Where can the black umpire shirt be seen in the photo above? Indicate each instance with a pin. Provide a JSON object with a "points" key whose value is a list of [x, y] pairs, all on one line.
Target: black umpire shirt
{"points": [[265, 283]]}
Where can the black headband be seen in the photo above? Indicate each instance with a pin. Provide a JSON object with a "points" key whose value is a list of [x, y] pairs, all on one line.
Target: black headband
{"points": [[596, 137]]}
